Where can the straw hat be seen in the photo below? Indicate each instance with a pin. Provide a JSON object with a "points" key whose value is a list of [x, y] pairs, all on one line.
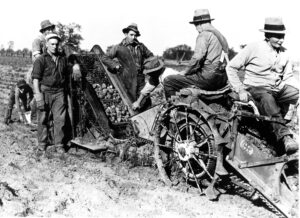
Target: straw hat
{"points": [[201, 15], [273, 25]]}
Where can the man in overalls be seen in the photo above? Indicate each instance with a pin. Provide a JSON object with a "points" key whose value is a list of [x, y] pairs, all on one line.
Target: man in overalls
{"points": [[206, 69]]}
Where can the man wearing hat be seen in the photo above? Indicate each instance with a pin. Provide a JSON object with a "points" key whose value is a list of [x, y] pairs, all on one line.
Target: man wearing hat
{"points": [[155, 72], [131, 55], [38, 48], [268, 79], [50, 79], [20, 92], [38, 45], [206, 69]]}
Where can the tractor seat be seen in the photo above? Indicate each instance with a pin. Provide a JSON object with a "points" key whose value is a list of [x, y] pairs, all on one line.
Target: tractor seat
{"points": [[204, 94]]}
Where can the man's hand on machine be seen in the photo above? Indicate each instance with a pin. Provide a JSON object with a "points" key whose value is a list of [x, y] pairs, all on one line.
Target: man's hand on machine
{"points": [[135, 105], [244, 96]]}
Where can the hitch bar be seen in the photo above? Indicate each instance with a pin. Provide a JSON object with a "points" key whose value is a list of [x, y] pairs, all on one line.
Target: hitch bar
{"points": [[266, 162]]}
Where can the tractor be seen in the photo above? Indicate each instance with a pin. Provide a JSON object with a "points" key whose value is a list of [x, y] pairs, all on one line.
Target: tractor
{"points": [[206, 137]]}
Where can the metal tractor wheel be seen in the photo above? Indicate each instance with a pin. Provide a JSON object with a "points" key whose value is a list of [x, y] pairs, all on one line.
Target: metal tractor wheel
{"points": [[185, 145]]}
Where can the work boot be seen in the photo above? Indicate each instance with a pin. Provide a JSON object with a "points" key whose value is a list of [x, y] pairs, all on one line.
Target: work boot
{"points": [[290, 145]]}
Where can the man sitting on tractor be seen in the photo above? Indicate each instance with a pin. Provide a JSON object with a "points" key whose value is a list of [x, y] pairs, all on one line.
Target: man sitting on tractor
{"points": [[268, 79], [206, 69]]}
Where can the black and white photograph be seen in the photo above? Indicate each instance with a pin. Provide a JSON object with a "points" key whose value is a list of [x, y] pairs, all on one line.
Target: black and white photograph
{"points": [[149, 109]]}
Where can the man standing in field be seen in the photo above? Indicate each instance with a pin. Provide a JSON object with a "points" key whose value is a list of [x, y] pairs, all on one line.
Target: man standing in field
{"points": [[50, 77], [38, 48], [131, 54], [268, 79], [206, 69], [23, 93]]}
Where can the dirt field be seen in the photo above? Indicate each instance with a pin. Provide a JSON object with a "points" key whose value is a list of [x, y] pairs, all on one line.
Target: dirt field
{"points": [[82, 184]]}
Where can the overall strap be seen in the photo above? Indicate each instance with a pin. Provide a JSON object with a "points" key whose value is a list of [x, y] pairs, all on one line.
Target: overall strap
{"points": [[223, 42]]}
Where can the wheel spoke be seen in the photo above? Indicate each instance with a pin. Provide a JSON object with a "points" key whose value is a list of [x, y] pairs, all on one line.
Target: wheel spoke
{"points": [[168, 132], [286, 180], [201, 153], [203, 142], [197, 124], [196, 179], [187, 123], [202, 165], [177, 128], [169, 161]]}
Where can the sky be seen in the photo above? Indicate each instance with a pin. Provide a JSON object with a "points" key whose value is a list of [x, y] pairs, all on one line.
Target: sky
{"points": [[162, 23]]}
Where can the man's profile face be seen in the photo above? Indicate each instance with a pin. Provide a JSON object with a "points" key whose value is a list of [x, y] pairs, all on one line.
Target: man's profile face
{"points": [[276, 40], [130, 36], [52, 45], [199, 27]]}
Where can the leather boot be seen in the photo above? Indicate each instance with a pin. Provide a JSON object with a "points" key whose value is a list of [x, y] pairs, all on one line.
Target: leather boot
{"points": [[220, 170]]}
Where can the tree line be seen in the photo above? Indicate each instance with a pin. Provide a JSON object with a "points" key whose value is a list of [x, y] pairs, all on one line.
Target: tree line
{"points": [[70, 34]]}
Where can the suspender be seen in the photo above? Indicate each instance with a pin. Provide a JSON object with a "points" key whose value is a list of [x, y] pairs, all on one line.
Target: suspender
{"points": [[224, 44]]}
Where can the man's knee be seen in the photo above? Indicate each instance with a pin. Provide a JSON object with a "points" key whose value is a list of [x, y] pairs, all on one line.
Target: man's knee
{"points": [[290, 94], [268, 105], [168, 80]]}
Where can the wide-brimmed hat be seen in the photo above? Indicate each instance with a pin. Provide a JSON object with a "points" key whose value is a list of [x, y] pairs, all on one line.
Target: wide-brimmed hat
{"points": [[21, 83], [133, 27], [46, 24], [52, 36], [201, 15], [274, 25], [152, 64]]}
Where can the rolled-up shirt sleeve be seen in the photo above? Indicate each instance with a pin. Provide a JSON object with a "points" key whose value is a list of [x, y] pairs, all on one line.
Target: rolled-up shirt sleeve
{"points": [[36, 47], [288, 77], [38, 66], [148, 88], [235, 66]]}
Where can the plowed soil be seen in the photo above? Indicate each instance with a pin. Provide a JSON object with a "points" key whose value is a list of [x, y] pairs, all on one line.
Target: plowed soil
{"points": [[84, 184]]}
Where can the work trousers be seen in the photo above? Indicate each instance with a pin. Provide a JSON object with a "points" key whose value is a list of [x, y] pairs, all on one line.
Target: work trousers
{"points": [[276, 105], [207, 81], [11, 103], [55, 103]]}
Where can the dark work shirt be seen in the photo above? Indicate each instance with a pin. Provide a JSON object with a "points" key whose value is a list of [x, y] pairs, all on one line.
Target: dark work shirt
{"points": [[48, 72], [138, 51]]}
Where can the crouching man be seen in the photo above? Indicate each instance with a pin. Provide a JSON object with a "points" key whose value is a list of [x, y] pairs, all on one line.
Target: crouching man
{"points": [[50, 79], [23, 93], [268, 79], [155, 72]]}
